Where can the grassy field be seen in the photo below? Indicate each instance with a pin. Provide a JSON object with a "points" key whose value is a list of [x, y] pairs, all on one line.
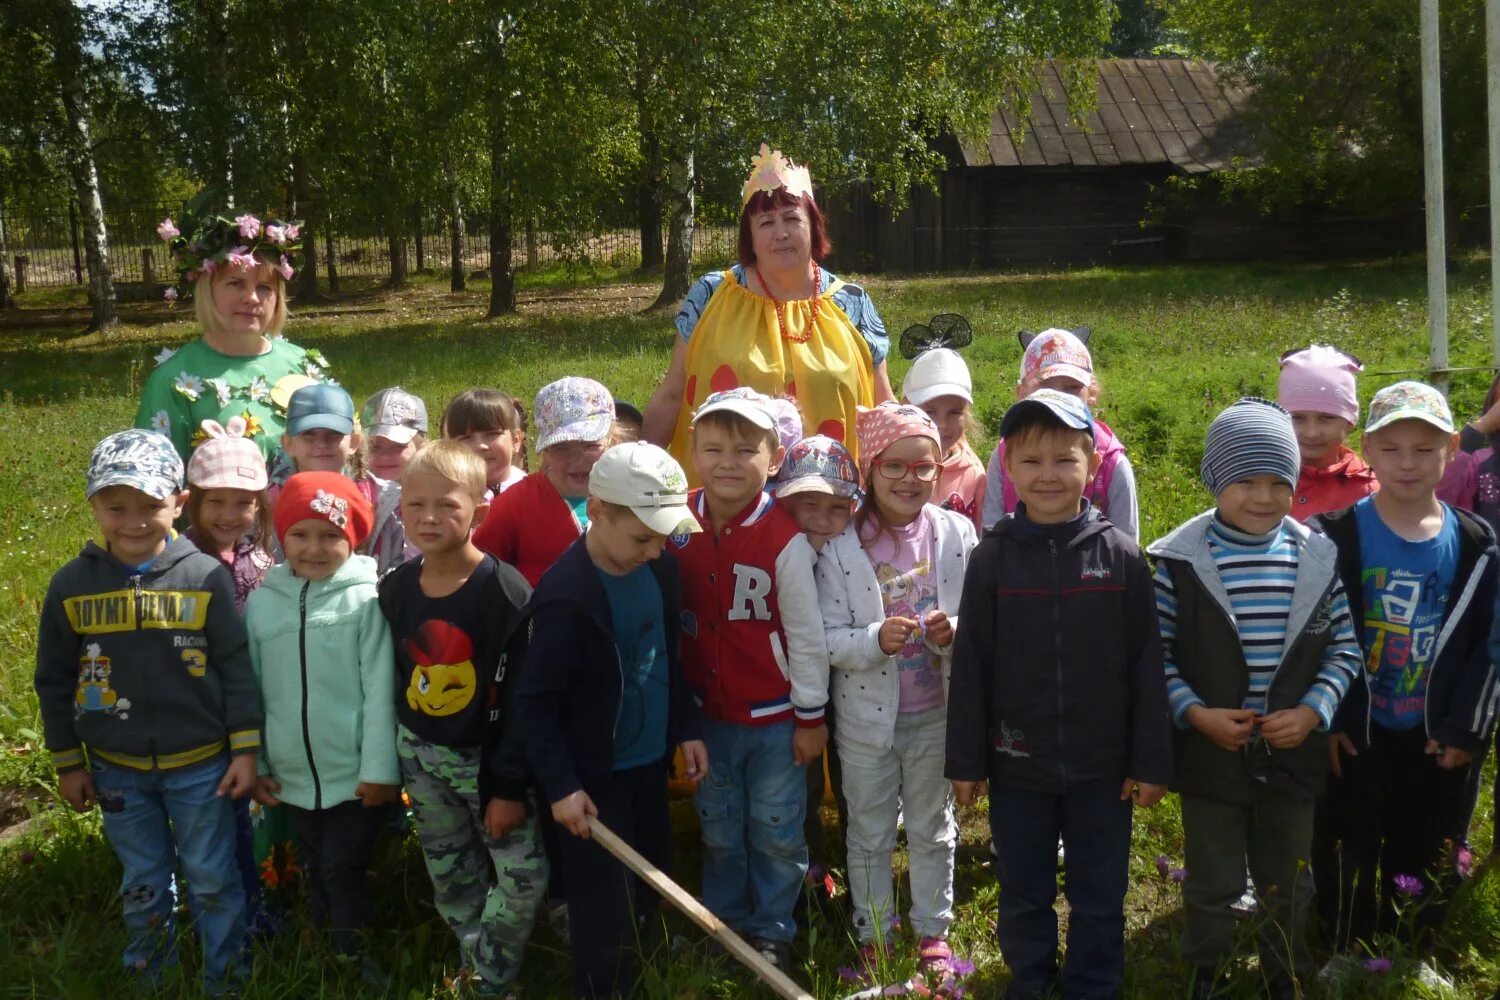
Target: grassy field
{"points": [[1173, 346]]}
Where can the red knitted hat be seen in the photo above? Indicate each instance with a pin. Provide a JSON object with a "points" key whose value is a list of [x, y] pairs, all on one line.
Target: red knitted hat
{"points": [[326, 496]]}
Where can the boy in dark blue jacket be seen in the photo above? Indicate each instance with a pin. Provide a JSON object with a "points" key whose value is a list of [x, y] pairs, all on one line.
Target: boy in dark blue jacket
{"points": [[602, 702], [1057, 701], [1421, 578]]}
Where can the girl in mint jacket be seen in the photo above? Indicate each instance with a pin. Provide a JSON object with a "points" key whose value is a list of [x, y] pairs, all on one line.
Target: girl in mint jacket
{"points": [[323, 656]]}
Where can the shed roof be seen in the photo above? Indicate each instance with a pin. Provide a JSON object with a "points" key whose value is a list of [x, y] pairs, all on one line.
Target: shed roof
{"points": [[1172, 111]]}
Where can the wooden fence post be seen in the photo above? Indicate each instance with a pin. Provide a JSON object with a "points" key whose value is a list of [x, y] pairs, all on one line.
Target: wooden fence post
{"points": [[21, 261], [531, 244], [148, 266], [416, 226]]}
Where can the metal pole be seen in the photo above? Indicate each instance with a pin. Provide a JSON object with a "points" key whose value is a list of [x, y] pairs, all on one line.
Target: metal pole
{"points": [[1492, 26], [1432, 170]]}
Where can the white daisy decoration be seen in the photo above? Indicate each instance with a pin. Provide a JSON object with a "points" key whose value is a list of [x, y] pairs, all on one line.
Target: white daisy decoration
{"points": [[165, 355], [190, 386], [221, 389], [161, 423], [258, 390], [330, 381], [313, 371]]}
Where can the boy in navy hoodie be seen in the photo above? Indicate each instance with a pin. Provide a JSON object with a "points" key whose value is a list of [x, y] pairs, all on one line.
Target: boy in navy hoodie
{"points": [[1421, 579], [149, 705], [602, 702]]}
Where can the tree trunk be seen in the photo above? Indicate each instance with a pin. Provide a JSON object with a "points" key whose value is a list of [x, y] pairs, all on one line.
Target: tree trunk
{"points": [[457, 278], [218, 166], [81, 169], [329, 256], [7, 300], [397, 244], [678, 275], [307, 270], [502, 278]]}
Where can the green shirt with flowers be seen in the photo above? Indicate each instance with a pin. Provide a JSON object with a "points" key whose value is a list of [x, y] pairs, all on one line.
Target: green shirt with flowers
{"points": [[197, 383]]}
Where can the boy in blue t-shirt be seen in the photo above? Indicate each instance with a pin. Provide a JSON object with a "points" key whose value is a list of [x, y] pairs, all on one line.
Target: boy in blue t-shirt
{"points": [[1421, 579], [602, 701]]}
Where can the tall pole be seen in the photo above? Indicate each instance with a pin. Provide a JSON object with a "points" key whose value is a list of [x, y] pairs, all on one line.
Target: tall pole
{"points": [[1492, 26], [1432, 169]]}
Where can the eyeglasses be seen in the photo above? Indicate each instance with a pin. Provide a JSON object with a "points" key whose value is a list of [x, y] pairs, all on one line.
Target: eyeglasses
{"points": [[894, 468]]}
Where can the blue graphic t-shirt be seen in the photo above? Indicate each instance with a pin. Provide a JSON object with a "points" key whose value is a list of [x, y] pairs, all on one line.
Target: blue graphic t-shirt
{"points": [[635, 612], [1406, 591]]}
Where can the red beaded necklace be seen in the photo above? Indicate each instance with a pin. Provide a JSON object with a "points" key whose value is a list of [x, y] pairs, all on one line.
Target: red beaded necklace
{"points": [[812, 320]]}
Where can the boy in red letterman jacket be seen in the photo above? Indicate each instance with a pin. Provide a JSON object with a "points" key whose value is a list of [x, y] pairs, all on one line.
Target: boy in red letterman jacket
{"points": [[755, 657]]}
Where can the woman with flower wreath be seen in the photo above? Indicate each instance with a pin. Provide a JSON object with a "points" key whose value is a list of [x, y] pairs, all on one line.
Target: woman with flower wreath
{"points": [[236, 270], [776, 322]]}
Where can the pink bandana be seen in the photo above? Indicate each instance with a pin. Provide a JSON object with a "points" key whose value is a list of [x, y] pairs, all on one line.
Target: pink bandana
{"points": [[880, 427]]}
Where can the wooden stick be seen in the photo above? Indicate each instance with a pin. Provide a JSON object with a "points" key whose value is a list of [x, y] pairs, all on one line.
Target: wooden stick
{"points": [[700, 914]]}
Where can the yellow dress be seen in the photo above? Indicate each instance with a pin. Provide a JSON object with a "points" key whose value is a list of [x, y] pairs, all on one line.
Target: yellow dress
{"points": [[737, 342]]}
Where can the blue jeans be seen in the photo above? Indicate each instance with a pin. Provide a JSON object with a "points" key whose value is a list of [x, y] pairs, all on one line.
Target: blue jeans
{"points": [[154, 821], [751, 807], [1095, 831]]}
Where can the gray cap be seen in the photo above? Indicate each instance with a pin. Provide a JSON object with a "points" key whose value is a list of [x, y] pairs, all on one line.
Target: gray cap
{"points": [[394, 414]]}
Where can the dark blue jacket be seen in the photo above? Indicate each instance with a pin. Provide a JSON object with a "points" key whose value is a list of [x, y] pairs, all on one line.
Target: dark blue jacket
{"points": [[568, 693]]}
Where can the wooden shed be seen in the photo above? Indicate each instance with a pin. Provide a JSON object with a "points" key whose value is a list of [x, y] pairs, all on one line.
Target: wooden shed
{"points": [[1047, 191]]}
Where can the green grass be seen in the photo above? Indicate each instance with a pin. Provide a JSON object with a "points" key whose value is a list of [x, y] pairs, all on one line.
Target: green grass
{"points": [[1173, 346]]}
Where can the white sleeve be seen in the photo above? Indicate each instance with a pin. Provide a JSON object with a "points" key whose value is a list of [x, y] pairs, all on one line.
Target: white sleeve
{"points": [[1124, 513], [802, 624], [852, 645], [994, 490]]}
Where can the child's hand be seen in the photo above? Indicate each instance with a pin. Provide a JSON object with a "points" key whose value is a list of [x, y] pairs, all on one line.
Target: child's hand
{"points": [[376, 795], [239, 777], [266, 791], [969, 792], [939, 629], [808, 743], [1338, 744], [502, 816], [894, 632], [573, 812], [77, 787], [1289, 727], [694, 760], [1227, 727], [1448, 757], [1142, 793]]}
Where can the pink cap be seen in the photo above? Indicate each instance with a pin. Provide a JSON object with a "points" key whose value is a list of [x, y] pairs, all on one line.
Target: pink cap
{"points": [[1056, 353], [1319, 379], [879, 427]]}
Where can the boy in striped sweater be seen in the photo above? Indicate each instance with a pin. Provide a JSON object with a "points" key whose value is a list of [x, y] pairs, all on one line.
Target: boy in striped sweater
{"points": [[1259, 650]]}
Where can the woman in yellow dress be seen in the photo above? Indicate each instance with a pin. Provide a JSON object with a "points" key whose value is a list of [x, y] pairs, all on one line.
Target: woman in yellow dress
{"points": [[775, 322]]}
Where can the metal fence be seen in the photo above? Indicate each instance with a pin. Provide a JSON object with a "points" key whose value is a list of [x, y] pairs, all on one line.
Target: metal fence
{"points": [[46, 247]]}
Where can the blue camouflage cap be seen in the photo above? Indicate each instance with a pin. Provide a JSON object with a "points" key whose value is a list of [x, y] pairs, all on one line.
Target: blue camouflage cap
{"points": [[819, 464], [143, 460]]}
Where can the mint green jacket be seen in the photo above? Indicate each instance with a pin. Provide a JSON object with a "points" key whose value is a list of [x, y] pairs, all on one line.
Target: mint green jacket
{"points": [[324, 659]]}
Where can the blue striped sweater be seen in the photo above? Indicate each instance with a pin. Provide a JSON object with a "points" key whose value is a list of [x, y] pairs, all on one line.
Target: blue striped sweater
{"points": [[1259, 573]]}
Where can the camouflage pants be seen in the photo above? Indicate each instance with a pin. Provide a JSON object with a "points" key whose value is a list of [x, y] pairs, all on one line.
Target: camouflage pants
{"points": [[486, 890]]}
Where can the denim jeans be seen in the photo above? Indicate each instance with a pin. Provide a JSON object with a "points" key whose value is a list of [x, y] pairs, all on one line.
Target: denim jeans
{"points": [[1095, 831], [751, 807], [154, 821], [879, 784]]}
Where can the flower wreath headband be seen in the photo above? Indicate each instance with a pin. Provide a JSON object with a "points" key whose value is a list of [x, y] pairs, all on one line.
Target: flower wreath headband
{"points": [[214, 240]]}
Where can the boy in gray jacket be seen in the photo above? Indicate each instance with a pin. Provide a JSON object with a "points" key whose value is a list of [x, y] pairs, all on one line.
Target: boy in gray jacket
{"points": [[150, 706], [1259, 650]]}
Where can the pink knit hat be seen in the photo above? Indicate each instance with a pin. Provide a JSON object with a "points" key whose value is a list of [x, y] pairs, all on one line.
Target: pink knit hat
{"points": [[879, 427], [228, 459], [1321, 380]]}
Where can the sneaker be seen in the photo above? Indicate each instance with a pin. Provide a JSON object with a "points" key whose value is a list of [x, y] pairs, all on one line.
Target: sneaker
{"points": [[936, 966], [1248, 904], [778, 953]]}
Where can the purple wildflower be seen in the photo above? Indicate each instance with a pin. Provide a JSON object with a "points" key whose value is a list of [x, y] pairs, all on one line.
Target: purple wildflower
{"points": [[1408, 885], [1463, 861], [847, 973], [1178, 875], [1380, 965], [961, 967], [1163, 865]]}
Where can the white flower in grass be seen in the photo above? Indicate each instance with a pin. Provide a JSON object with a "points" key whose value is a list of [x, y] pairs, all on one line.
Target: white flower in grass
{"points": [[165, 355], [221, 389], [190, 386], [258, 390], [161, 423]]}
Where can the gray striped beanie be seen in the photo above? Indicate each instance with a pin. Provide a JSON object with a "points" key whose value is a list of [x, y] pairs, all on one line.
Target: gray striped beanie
{"points": [[1253, 437]]}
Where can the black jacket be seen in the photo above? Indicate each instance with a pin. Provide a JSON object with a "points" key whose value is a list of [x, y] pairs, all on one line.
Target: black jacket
{"points": [[502, 771], [1057, 680], [569, 688], [1462, 690]]}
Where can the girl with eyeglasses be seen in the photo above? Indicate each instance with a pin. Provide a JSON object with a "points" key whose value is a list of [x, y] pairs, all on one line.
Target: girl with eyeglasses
{"points": [[889, 588]]}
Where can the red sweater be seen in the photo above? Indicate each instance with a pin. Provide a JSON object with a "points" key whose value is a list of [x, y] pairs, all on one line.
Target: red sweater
{"points": [[753, 648], [528, 526], [1321, 489]]}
